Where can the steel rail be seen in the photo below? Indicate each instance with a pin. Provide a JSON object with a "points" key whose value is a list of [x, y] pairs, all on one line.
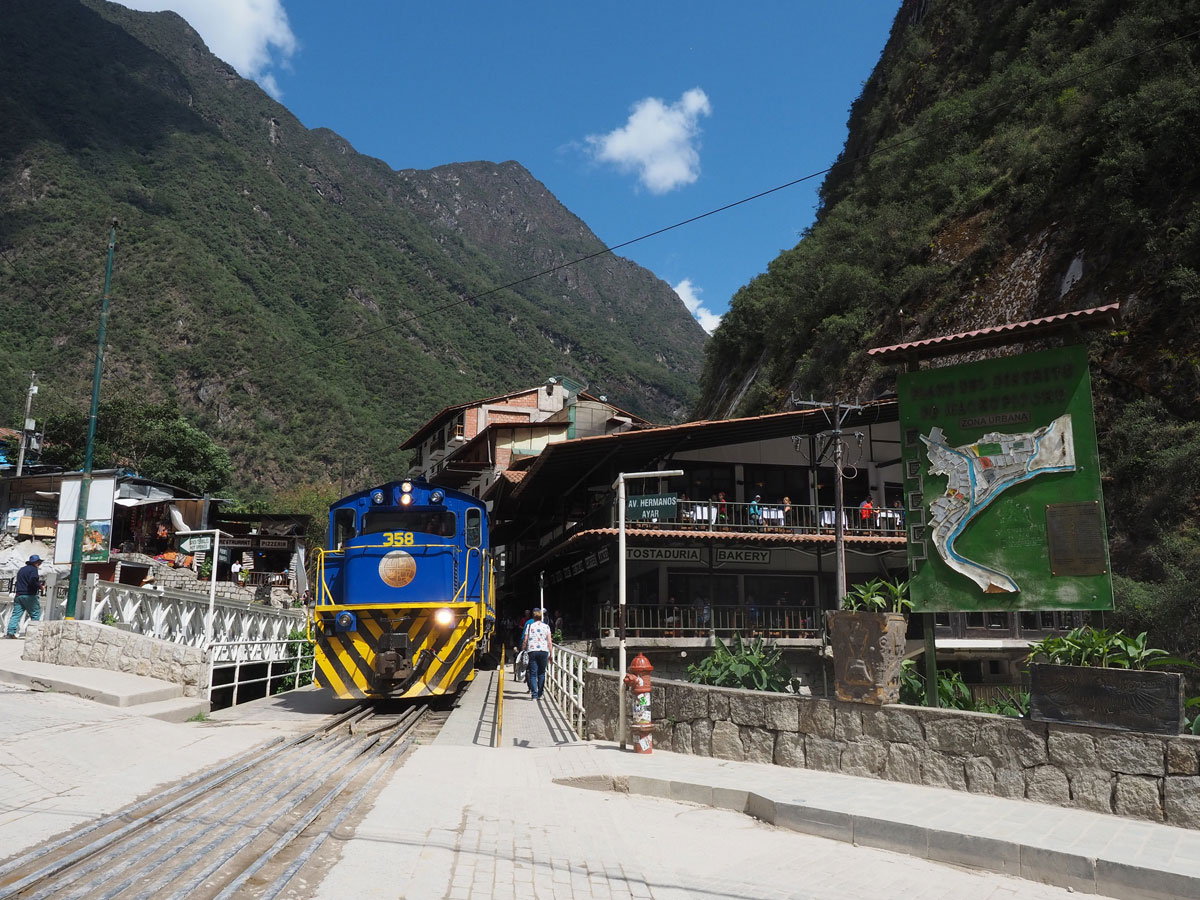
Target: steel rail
{"points": [[277, 886], [208, 781], [199, 878], [173, 829]]}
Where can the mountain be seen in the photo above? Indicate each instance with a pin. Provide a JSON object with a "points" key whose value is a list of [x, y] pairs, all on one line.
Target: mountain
{"points": [[1005, 161], [305, 304]]}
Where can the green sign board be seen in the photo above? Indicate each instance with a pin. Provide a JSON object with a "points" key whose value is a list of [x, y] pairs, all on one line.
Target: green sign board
{"points": [[1003, 507], [651, 507]]}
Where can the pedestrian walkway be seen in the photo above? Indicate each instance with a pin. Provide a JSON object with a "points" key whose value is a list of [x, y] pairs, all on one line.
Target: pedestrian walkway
{"points": [[526, 722], [544, 815]]}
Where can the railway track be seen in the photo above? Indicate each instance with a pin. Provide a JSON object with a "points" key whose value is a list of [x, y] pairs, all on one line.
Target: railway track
{"points": [[244, 830]]}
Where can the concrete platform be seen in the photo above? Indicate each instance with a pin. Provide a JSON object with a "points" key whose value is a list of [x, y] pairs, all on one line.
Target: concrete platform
{"points": [[145, 696]]}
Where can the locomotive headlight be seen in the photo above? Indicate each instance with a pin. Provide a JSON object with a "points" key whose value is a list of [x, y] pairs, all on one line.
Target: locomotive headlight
{"points": [[405, 499], [345, 621], [406, 488], [436, 497], [444, 617], [377, 497]]}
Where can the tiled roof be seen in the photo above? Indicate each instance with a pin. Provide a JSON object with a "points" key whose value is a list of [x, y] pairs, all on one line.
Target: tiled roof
{"points": [[999, 334]]}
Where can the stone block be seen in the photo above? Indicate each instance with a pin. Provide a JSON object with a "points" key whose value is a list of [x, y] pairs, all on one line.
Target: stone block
{"points": [[1010, 782], [789, 750], [657, 706], [903, 763], [943, 770], [1071, 749], [702, 730], [1091, 789], [893, 724], [1138, 796], [1183, 756], [746, 708], [718, 706], [823, 754], [981, 775], [1007, 741], [952, 734], [686, 702], [727, 741], [847, 722], [816, 718], [759, 744], [782, 713], [664, 736], [1047, 784], [866, 759], [681, 740], [1181, 801], [1131, 754]]}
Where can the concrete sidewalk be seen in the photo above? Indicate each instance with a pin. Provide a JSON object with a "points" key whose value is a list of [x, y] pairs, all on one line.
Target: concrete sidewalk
{"points": [[472, 821], [149, 697]]}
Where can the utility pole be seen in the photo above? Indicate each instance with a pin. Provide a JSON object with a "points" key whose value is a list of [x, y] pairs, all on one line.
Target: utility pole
{"points": [[27, 424], [836, 413], [85, 483]]}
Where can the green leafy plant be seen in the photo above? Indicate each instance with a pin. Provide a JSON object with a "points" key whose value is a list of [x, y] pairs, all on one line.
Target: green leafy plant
{"points": [[1100, 648], [754, 666], [1192, 723], [878, 595], [109, 619], [955, 693], [298, 646]]}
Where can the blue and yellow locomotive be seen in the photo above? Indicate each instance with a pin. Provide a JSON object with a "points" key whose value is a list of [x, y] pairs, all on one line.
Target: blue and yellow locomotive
{"points": [[405, 593]]}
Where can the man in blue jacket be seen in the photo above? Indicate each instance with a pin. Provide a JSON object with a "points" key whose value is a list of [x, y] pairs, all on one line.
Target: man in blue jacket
{"points": [[26, 587]]}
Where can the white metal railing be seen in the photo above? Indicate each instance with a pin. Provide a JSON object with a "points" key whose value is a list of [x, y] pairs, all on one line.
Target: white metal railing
{"points": [[564, 682], [179, 616], [286, 664]]}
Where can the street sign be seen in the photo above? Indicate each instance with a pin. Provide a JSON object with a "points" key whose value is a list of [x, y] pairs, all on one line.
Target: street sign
{"points": [[197, 543]]}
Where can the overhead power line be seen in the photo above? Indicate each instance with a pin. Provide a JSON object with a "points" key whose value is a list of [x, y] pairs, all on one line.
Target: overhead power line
{"points": [[886, 148]]}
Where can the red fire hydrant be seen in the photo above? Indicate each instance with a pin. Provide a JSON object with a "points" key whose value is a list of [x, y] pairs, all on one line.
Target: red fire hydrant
{"points": [[638, 681]]}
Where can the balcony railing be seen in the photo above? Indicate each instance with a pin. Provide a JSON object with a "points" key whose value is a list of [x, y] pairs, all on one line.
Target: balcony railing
{"points": [[779, 518], [705, 621]]}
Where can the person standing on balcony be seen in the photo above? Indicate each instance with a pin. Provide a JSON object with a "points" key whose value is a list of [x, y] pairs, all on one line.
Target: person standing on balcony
{"points": [[26, 586], [756, 516], [539, 642], [866, 509]]}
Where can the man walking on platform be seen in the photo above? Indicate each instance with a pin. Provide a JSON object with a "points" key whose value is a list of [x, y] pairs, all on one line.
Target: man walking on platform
{"points": [[26, 586], [540, 644]]}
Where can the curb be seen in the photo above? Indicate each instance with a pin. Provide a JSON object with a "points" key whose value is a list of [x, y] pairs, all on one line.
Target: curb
{"points": [[1074, 871]]}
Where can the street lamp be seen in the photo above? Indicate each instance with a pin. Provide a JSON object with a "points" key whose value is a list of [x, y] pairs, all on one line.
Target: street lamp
{"points": [[212, 575], [619, 487]]}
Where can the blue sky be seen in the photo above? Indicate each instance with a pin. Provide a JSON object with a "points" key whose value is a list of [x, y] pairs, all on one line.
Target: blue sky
{"points": [[635, 115]]}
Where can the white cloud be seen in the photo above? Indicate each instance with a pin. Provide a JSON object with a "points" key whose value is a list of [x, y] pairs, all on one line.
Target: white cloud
{"points": [[690, 295], [659, 141], [253, 36]]}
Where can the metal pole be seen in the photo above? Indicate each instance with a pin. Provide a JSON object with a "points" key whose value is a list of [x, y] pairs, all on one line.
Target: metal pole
{"points": [[86, 482], [619, 485], [621, 609], [25, 423], [212, 588], [839, 531]]}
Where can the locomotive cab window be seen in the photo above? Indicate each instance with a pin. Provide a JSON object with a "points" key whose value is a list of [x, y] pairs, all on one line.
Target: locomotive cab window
{"points": [[343, 527], [438, 522], [474, 527]]}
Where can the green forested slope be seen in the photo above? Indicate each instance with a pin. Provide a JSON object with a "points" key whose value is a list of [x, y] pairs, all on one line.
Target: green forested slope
{"points": [[254, 255], [1009, 160]]}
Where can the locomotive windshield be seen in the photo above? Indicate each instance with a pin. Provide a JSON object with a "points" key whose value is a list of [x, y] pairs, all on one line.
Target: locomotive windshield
{"points": [[439, 522]]}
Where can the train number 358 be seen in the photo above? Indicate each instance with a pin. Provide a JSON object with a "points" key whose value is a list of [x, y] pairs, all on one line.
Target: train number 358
{"points": [[397, 539]]}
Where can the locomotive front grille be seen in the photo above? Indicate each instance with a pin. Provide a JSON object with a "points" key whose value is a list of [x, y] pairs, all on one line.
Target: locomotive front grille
{"points": [[375, 661]]}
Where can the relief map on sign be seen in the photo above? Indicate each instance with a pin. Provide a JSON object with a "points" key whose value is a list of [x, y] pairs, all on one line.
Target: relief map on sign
{"points": [[978, 473]]}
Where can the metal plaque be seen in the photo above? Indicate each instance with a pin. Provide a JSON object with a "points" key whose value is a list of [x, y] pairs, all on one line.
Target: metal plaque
{"points": [[1075, 534]]}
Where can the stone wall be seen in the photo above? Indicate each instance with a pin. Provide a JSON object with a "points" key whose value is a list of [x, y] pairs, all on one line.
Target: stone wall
{"points": [[1145, 776], [90, 644]]}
